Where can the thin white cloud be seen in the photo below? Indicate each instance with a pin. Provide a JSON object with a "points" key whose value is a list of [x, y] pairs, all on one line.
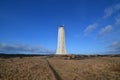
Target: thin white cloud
{"points": [[90, 28], [114, 47], [20, 48], [105, 30], [117, 6], [110, 10], [117, 20], [115, 44]]}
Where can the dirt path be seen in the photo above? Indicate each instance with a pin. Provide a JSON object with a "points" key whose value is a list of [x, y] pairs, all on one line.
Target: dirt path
{"points": [[55, 74]]}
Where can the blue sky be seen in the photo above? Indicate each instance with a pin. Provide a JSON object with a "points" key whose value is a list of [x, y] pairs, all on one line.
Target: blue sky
{"points": [[30, 26]]}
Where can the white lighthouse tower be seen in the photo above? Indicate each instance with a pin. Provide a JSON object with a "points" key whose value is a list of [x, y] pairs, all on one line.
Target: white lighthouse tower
{"points": [[61, 50]]}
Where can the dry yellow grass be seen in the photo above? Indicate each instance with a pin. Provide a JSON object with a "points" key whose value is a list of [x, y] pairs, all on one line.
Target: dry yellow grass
{"points": [[88, 69], [31, 68], [37, 68]]}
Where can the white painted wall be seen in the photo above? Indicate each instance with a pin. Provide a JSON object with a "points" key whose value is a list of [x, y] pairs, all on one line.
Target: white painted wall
{"points": [[61, 50]]}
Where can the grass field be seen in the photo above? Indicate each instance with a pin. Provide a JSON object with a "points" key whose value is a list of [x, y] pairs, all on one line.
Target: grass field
{"points": [[42, 68]]}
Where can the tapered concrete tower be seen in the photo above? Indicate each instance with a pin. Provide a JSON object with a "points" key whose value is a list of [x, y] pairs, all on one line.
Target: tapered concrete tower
{"points": [[61, 50]]}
